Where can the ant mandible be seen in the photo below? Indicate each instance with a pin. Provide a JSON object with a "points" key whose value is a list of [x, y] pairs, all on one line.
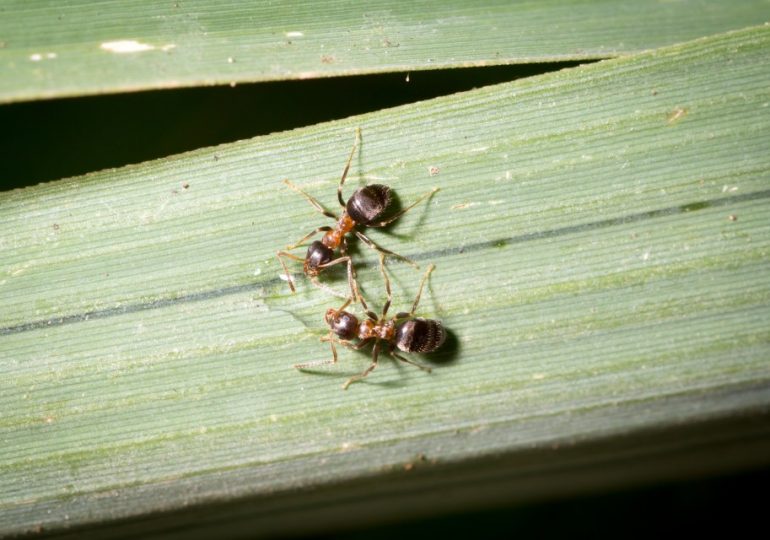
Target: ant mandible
{"points": [[404, 331], [364, 207]]}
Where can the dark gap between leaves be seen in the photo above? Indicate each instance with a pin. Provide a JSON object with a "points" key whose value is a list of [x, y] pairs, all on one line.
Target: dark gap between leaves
{"points": [[49, 140]]}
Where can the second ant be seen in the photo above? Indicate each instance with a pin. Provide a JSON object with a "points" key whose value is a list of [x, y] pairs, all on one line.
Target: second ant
{"points": [[404, 331]]}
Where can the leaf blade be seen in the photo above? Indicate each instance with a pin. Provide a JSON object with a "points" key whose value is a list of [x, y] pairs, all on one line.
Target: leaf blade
{"points": [[586, 262]]}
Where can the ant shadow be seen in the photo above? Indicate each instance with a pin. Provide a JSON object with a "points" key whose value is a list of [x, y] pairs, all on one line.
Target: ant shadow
{"points": [[331, 371], [448, 353], [394, 207]]}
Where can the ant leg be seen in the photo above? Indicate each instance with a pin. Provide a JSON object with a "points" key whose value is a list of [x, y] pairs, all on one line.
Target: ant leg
{"points": [[367, 371], [351, 276], [306, 365], [387, 286], [347, 167], [312, 200], [394, 217], [326, 288], [346, 304], [346, 343], [286, 273], [419, 291], [369, 242], [416, 364], [352, 281], [308, 235]]}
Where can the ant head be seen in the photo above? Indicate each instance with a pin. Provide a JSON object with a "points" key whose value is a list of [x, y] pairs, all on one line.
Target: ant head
{"points": [[342, 323], [317, 255]]}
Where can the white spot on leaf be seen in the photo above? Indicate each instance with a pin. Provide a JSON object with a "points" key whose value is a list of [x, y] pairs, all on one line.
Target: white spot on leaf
{"points": [[131, 46], [37, 57]]}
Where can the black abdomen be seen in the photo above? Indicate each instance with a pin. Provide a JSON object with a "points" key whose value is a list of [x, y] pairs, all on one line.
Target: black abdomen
{"points": [[420, 336], [368, 203]]}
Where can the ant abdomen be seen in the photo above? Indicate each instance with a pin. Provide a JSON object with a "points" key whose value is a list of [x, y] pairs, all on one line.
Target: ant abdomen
{"points": [[368, 203], [420, 335]]}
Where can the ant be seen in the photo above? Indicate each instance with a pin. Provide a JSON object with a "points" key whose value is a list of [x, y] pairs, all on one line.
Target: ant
{"points": [[364, 207], [404, 331]]}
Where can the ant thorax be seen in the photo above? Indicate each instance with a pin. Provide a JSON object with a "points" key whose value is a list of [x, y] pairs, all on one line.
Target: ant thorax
{"points": [[333, 238], [384, 330]]}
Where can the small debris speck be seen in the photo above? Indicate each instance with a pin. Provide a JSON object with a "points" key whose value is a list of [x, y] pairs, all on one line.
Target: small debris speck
{"points": [[433, 171], [732, 217], [185, 185], [327, 59], [230, 60], [676, 115]]}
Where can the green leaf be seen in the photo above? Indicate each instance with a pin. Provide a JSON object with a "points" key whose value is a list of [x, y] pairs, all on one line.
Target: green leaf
{"points": [[69, 48], [601, 241]]}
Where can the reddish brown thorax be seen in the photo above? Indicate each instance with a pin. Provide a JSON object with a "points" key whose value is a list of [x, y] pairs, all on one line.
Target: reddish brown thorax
{"points": [[386, 330], [333, 238], [381, 329], [366, 329]]}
